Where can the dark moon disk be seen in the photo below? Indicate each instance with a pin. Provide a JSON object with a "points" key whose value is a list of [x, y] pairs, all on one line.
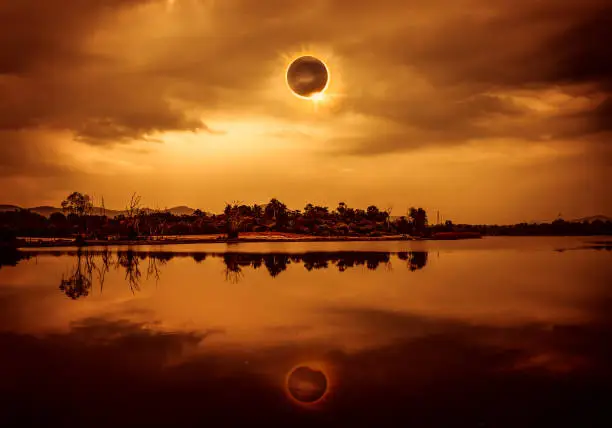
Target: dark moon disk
{"points": [[307, 76], [307, 385]]}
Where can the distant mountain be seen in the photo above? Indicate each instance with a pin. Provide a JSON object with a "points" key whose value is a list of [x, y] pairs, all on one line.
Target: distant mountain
{"points": [[185, 210], [8, 208], [181, 210], [592, 218], [47, 210]]}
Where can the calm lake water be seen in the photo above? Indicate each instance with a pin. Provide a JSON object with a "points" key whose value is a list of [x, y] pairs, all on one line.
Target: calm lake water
{"points": [[498, 332]]}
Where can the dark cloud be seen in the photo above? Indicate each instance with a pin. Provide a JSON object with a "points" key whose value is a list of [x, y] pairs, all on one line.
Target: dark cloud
{"points": [[603, 116], [583, 50], [441, 73], [470, 60], [30, 154], [36, 34], [52, 78]]}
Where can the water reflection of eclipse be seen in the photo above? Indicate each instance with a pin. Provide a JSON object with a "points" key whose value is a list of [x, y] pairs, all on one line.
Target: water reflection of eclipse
{"points": [[307, 384]]}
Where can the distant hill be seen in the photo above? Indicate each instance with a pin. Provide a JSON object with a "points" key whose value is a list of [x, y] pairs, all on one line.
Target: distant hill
{"points": [[185, 210], [8, 208], [47, 210], [181, 210], [592, 218]]}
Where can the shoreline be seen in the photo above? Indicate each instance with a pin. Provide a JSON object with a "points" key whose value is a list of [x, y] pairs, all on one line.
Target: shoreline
{"points": [[217, 240]]}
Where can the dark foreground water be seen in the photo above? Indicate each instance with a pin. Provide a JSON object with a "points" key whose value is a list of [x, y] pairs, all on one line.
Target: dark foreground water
{"points": [[499, 332]]}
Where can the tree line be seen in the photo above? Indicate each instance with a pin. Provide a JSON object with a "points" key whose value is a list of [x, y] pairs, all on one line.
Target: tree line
{"points": [[79, 220]]}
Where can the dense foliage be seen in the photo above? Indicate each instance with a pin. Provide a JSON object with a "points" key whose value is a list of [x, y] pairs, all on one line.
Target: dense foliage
{"points": [[77, 220]]}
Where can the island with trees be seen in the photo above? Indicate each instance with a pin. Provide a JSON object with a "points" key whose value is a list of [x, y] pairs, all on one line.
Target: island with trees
{"points": [[79, 222]]}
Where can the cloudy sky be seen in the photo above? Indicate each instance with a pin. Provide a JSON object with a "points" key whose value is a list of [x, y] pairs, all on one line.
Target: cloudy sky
{"points": [[486, 110]]}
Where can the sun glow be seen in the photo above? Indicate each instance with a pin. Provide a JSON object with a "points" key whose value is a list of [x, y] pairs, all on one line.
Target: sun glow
{"points": [[318, 97]]}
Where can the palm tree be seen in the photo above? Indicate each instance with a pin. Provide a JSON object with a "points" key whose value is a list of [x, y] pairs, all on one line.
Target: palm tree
{"points": [[275, 209], [232, 220]]}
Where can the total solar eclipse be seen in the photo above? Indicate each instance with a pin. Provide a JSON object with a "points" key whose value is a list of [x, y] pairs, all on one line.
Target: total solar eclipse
{"points": [[307, 77]]}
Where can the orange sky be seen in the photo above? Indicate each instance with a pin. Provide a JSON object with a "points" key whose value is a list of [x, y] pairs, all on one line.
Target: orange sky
{"points": [[487, 110]]}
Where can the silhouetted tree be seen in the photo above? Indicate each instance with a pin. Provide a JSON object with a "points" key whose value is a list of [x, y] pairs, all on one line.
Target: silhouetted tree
{"points": [[372, 212], [8, 237], [257, 211], [418, 217], [341, 209], [403, 225], [387, 217], [232, 220], [309, 210], [276, 210], [57, 219], [78, 204], [133, 214]]}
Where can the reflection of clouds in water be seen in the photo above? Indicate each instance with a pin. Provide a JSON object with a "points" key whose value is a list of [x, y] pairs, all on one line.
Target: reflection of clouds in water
{"points": [[473, 372]]}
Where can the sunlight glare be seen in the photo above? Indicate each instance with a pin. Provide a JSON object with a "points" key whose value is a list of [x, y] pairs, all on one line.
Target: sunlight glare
{"points": [[318, 97]]}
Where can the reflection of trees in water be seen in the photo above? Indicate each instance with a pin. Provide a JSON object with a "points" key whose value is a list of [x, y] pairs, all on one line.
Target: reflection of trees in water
{"points": [[129, 260], [274, 263], [80, 280], [344, 261], [105, 267], [233, 269], [11, 256], [277, 263], [312, 261], [416, 259], [198, 257], [78, 283]]}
